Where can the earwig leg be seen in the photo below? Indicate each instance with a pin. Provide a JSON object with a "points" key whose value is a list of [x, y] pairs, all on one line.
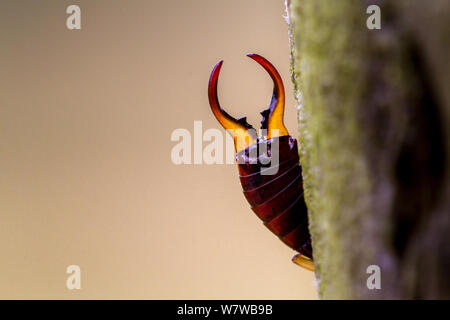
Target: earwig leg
{"points": [[243, 133], [303, 261], [275, 124]]}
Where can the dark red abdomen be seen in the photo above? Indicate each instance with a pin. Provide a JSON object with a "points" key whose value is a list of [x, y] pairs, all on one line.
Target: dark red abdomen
{"points": [[277, 198]]}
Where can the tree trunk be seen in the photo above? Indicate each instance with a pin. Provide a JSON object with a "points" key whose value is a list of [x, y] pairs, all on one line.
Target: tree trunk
{"points": [[374, 135]]}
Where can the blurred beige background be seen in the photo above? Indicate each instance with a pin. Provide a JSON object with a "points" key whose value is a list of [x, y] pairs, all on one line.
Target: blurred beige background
{"points": [[86, 175]]}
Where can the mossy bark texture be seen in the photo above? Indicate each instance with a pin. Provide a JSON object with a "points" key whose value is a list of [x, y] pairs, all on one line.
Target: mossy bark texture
{"points": [[374, 135]]}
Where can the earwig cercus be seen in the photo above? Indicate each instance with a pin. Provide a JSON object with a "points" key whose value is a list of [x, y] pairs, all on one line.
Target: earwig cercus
{"points": [[277, 199]]}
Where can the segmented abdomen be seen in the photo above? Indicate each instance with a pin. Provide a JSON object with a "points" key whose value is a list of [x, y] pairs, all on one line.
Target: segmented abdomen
{"points": [[277, 199]]}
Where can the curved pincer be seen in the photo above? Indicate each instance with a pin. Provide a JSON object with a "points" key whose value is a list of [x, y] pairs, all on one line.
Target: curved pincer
{"points": [[243, 133], [274, 124]]}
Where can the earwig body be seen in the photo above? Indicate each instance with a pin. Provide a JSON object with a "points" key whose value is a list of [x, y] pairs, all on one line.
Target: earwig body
{"points": [[277, 199]]}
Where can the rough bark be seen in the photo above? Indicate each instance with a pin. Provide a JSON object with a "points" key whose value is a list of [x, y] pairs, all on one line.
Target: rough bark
{"points": [[374, 135]]}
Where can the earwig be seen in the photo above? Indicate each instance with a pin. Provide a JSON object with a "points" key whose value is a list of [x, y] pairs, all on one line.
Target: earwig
{"points": [[276, 199]]}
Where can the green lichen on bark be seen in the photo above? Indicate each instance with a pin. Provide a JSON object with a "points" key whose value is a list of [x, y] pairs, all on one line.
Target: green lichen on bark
{"points": [[363, 96], [327, 71]]}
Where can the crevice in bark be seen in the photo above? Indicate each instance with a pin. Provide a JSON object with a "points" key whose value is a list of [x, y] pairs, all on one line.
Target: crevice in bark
{"points": [[419, 169]]}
